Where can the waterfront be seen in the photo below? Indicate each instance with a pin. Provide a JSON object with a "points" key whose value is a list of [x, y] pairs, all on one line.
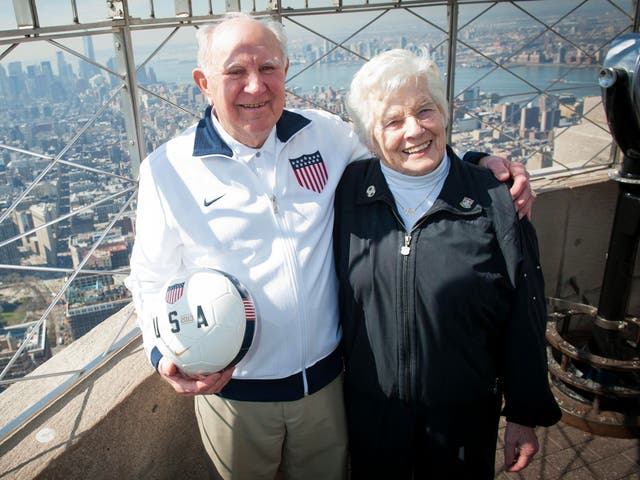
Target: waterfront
{"points": [[580, 81]]}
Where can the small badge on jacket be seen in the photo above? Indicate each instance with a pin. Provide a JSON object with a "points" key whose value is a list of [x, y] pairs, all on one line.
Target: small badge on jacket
{"points": [[466, 202]]}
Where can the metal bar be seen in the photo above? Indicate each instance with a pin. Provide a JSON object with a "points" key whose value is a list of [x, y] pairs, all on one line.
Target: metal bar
{"points": [[74, 10], [125, 60], [8, 50], [26, 13], [39, 377], [36, 268], [452, 13]]}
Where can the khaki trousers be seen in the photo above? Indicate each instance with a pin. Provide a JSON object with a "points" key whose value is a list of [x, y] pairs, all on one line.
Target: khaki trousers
{"points": [[304, 439]]}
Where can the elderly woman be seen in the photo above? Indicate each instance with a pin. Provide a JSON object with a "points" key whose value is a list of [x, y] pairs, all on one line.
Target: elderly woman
{"points": [[441, 294]]}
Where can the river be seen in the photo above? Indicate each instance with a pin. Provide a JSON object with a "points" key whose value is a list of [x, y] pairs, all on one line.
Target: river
{"points": [[579, 81]]}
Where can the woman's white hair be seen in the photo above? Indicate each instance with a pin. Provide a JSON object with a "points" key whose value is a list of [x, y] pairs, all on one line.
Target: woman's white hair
{"points": [[381, 77], [205, 34]]}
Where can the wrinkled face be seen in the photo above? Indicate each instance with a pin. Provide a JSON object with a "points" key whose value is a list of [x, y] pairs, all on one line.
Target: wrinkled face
{"points": [[246, 82], [409, 130]]}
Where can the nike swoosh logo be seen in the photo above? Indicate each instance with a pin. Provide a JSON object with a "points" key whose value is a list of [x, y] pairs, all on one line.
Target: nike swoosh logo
{"points": [[206, 204], [179, 354]]}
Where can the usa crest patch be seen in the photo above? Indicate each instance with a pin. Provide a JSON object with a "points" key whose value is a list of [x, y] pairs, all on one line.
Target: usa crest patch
{"points": [[310, 171], [174, 293]]}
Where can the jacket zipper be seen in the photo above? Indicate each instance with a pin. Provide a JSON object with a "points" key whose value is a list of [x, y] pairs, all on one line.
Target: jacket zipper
{"points": [[406, 352], [404, 385], [289, 251]]}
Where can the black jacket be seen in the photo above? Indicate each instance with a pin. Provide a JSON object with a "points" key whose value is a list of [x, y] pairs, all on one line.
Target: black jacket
{"points": [[460, 319]]}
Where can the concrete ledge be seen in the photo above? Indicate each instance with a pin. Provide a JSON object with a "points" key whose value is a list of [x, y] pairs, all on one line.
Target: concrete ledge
{"points": [[121, 421]]}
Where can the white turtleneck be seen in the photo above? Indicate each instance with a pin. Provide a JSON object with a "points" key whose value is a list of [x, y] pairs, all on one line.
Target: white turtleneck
{"points": [[414, 195]]}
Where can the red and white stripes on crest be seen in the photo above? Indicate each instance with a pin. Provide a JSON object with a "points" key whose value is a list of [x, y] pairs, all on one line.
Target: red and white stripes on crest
{"points": [[249, 310], [310, 171], [174, 292]]}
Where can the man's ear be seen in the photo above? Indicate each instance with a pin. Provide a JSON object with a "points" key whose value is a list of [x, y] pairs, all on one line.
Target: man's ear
{"points": [[201, 81]]}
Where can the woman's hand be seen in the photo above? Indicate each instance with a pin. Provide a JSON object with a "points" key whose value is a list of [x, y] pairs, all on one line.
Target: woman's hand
{"points": [[193, 385], [520, 446]]}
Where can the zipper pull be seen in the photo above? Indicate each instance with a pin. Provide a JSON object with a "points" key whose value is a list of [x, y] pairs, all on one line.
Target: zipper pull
{"points": [[406, 249], [274, 204]]}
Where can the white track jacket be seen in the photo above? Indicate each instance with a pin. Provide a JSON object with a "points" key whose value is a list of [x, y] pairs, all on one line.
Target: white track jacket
{"points": [[200, 207]]}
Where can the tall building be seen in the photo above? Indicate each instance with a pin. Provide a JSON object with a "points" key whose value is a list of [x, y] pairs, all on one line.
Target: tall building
{"points": [[510, 113], [65, 71], [24, 223], [36, 352], [562, 53], [4, 82], [42, 214], [16, 81], [549, 119], [92, 299], [529, 118], [45, 68], [111, 254], [88, 70], [9, 253]]}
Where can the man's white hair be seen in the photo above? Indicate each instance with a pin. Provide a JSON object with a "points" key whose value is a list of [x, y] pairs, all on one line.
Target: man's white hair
{"points": [[383, 75], [205, 33]]}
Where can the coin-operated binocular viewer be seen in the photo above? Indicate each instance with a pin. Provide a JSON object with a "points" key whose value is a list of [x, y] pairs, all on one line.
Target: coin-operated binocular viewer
{"points": [[594, 352]]}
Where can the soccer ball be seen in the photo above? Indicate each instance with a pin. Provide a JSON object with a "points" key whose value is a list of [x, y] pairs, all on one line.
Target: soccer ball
{"points": [[205, 321]]}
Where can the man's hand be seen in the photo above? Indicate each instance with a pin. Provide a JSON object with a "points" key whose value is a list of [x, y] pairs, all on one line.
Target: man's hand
{"points": [[521, 193], [520, 445], [197, 385]]}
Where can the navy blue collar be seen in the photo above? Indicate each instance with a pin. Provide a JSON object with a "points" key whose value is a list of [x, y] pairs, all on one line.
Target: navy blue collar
{"points": [[208, 142]]}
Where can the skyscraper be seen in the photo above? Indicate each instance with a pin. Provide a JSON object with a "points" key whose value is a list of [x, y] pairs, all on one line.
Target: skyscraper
{"points": [[529, 118], [47, 245], [88, 70]]}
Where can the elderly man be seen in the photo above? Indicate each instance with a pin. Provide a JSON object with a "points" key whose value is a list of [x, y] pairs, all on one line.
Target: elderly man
{"points": [[231, 193]]}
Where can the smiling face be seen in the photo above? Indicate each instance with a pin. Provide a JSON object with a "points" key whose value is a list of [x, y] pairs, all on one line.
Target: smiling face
{"points": [[409, 130], [245, 83]]}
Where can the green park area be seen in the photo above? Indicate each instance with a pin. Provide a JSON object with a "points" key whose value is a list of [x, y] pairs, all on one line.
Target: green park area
{"points": [[13, 313]]}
